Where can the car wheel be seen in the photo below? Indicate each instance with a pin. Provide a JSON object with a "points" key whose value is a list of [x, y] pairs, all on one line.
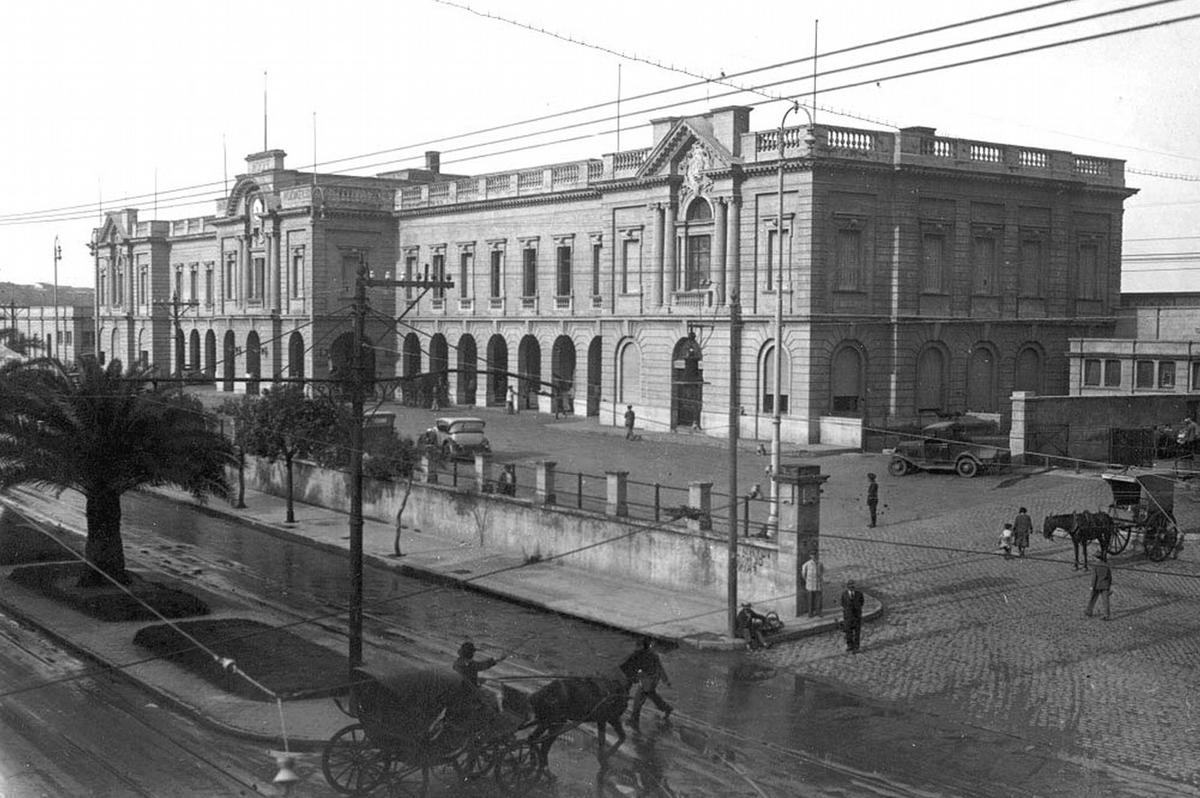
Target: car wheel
{"points": [[966, 467], [898, 467]]}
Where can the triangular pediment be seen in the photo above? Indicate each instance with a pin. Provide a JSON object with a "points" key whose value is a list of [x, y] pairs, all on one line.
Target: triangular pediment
{"points": [[111, 232], [689, 149]]}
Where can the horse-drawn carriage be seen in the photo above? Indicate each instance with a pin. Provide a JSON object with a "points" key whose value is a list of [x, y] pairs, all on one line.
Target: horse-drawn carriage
{"points": [[1144, 504], [412, 722]]}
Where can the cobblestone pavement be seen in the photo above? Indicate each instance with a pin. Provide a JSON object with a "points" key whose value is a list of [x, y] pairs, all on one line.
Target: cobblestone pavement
{"points": [[1003, 644]]}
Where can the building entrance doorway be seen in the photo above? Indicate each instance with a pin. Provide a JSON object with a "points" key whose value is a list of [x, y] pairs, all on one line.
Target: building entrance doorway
{"points": [[687, 384]]}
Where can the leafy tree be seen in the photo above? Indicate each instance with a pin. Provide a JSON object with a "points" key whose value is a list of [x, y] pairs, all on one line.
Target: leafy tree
{"points": [[390, 457], [287, 424], [93, 429], [241, 415]]}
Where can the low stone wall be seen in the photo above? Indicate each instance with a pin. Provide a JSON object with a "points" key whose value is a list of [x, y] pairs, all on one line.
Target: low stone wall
{"points": [[669, 556]]}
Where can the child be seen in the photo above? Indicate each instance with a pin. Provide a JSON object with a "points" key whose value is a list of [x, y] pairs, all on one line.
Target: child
{"points": [[1006, 540]]}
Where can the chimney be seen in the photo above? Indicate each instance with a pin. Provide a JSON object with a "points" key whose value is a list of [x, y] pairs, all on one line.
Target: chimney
{"points": [[433, 161], [729, 124]]}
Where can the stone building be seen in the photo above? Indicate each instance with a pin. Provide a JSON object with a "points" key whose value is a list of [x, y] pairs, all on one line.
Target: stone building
{"points": [[74, 324], [922, 275]]}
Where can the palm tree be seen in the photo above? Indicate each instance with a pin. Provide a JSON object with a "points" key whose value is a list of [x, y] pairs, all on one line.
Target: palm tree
{"points": [[92, 429]]}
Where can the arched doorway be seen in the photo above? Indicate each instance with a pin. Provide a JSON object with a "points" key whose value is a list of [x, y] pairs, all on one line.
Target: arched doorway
{"points": [[439, 368], [529, 367], [114, 349], [845, 382], [296, 356], [229, 362], [931, 381], [497, 369], [193, 363], [341, 361], [410, 363], [562, 374], [468, 370], [687, 384], [1027, 374], [981, 379], [253, 364], [210, 355], [595, 370]]}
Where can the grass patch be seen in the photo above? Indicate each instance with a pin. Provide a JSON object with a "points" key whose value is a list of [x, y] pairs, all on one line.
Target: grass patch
{"points": [[60, 582], [281, 661]]}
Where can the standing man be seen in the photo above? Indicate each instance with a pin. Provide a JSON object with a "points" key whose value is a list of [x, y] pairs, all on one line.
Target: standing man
{"points": [[872, 496], [813, 572], [1101, 586], [1022, 529], [468, 667], [852, 610], [630, 417], [646, 670]]}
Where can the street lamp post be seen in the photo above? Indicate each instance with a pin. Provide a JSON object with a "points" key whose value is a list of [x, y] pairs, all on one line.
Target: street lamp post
{"points": [[57, 257], [777, 416]]}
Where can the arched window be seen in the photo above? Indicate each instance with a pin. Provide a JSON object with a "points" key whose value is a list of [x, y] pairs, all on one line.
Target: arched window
{"points": [[629, 374], [931, 379], [845, 382], [981, 379], [766, 372], [1028, 373]]}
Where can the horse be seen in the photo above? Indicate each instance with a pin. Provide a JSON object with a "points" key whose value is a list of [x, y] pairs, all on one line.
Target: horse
{"points": [[1083, 527], [569, 700]]}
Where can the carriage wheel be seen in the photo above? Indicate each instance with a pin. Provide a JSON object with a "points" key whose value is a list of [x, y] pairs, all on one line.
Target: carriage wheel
{"points": [[517, 768], [476, 760], [1158, 540], [408, 781], [353, 764], [1119, 539]]}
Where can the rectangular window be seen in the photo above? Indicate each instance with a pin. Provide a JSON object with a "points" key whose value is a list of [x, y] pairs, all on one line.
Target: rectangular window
{"points": [[1089, 271], [258, 277], [1166, 374], [1196, 376], [631, 249], [497, 273], [849, 260], [1112, 373], [439, 273], [410, 274], [1031, 267], [178, 284], [466, 263], [773, 270], [1143, 374], [983, 264], [143, 294], [529, 272], [933, 262], [194, 283], [697, 271], [562, 284], [1091, 372], [208, 285], [596, 252], [296, 279], [230, 275]]}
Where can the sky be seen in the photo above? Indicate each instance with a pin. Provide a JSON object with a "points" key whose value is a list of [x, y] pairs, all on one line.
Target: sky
{"points": [[155, 105]]}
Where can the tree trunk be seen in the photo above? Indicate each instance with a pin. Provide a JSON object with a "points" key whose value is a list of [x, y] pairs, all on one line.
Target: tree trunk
{"points": [[291, 513], [103, 548], [400, 515], [241, 496]]}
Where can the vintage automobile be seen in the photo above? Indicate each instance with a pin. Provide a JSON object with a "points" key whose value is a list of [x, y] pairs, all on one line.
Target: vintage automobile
{"points": [[964, 446], [456, 437]]}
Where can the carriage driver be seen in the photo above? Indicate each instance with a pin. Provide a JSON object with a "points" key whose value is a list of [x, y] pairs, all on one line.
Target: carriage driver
{"points": [[468, 667]]}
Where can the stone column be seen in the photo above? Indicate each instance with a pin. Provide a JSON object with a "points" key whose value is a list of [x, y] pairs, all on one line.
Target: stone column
{"points": [[483, 471], [428, 472], [544, 493], [618, 503], [656, 256], [733, 246], [719, 249], [700, 498], [669, 265]]}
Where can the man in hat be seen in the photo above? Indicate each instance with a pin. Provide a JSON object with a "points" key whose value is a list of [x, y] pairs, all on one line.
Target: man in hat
{"points": [[872, 497], [749, 624], [468, 667], [646, 670], [852, 610]]}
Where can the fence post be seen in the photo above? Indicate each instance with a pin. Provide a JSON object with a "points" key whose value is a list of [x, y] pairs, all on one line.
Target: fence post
{"points": [[746, 517], [428, 469], [483, 471], [617, 502], [545, 482], [579, 492], [700, 498], [454, 473], [657, 503]]}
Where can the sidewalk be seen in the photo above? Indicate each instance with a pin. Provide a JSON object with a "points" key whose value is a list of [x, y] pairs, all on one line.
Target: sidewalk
{"points": [[684, 618]]}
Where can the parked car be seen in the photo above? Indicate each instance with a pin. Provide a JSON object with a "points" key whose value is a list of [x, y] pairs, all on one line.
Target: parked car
{"points": [[964, 446], [456, 437]]}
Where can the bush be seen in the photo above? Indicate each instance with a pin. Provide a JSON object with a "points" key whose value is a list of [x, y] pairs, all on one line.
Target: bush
{"points": [[60, 581]]}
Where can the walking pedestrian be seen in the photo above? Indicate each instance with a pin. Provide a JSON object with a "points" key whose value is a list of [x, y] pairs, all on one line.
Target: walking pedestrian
{"points": [[1101, 586], [852, 610], [872, 496], [468, 667], [630, 417], [510, 404], [1022, 529], [646, 670], [813, 572], [1006, 540]]}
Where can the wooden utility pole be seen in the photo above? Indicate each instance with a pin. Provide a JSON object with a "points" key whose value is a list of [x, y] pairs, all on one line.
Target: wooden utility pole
{"points": [[735, 420], [358, 387]]}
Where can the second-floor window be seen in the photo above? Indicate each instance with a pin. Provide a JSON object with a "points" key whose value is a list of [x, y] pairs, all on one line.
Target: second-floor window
{"points": [[1031, 266], [194, 283], [562, 283], [466, 263], [438, 272], [1112, 373], [983, 263], [296, 278], [1089, 270], [699, 262], [1091, 371], [1143, 374], [410, 273], [933, 261], [208, 284], [849, 263], [178, 293], [258, 277], [496, 276], [529, 272], [597, 251], [230, 275]]}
